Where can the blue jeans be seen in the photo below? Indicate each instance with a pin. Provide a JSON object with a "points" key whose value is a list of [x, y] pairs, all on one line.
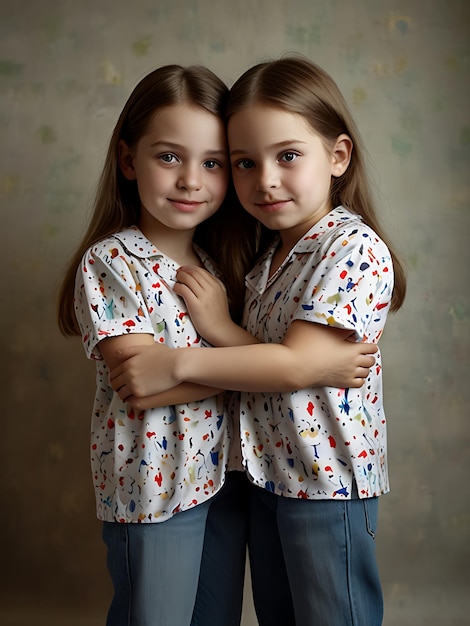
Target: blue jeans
{"points": [[155, 568], [329, 552], [220, 592]]}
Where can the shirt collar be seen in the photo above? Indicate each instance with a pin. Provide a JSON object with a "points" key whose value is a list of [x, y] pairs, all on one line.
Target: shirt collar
{"points": [[258, 279], [137, 244], [338, 216]]}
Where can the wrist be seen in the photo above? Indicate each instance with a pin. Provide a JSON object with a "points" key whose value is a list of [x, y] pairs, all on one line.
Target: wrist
{"points": [[222, 334], [180, 362], [232, 335]]}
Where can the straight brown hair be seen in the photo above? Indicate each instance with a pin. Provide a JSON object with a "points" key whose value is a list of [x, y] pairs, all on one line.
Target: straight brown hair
{"points": [[297, 85], [117, 203]]}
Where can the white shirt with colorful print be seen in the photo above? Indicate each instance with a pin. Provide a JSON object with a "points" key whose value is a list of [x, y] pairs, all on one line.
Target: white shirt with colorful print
{"points": [[146, 465], [312, 443]]}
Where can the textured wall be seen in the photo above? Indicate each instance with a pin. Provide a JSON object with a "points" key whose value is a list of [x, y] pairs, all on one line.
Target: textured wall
{"points": [[66, 69]]}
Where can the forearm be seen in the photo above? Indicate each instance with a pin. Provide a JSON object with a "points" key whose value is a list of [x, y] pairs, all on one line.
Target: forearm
{"points": [[260, 367], [183, 393], [230, 335], [311, 355]]}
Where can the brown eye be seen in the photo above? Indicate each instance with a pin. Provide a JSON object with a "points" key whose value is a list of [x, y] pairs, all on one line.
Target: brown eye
{"points": [[288, 157], [167, 158], [244, 164]]}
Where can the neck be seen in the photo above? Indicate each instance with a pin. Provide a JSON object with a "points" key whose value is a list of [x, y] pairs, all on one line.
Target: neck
{"points": [[176, 244]]}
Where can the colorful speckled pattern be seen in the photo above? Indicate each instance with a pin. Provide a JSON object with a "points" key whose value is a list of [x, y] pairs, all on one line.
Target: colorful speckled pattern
{"points": [[146, 466], [311, 443]]}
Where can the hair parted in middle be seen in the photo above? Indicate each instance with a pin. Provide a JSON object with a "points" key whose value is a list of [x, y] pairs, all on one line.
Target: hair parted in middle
{"points": [[296, 85], [224, 236]]}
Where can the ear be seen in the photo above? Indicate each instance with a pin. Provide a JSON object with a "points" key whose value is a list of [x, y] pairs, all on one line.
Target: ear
{"points": [[126, 161], [341, 155]]}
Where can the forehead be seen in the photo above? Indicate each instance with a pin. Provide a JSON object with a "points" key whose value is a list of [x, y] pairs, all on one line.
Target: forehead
{"points": [[267, 124], [187, 123], [182, 110]]}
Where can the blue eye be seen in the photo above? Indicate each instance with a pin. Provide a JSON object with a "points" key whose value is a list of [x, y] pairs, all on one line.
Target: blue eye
{"points": [[211, 165]]}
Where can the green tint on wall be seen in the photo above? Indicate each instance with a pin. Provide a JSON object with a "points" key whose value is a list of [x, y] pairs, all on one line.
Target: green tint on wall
{"points": [[66, 69]]}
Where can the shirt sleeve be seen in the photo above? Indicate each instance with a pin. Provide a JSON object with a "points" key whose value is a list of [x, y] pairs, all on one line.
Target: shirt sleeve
{"points": [[351, 286], [108, 298]]}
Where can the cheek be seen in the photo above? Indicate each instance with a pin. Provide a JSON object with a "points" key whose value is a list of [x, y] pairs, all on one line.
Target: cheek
{"points": [[301, 179], [153, 178]]}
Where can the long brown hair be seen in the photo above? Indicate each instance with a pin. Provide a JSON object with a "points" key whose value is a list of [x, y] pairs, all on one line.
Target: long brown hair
{"points": [[297, 85], [117, 203]]}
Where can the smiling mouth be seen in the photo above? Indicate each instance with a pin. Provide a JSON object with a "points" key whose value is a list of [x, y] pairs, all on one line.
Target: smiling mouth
{"points": [[185, 205], [272, 206]]}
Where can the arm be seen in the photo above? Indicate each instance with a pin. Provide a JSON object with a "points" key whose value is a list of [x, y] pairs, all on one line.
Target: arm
{"points": [[311, 355], [206, 299], [111, 349]]}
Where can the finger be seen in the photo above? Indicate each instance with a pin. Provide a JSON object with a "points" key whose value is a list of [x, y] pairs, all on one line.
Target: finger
{"points": [[188, 268], [195, 270], [366, 361], [117, 383], [204, 278], [196, 273], [194, 283], [188, 295], [187, 278], [361, 378], [123, 394], [114, 375]]}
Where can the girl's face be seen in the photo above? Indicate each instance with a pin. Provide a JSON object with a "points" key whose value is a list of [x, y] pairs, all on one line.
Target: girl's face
{"points": [[281, 169], [181, 168]]}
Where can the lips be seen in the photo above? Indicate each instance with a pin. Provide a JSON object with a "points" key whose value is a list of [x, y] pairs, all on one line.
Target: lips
{"points": [[186, 206], [273, 206]]}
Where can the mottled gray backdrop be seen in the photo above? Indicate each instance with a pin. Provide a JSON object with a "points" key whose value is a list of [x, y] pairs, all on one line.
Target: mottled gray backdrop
{"points": [[66, 69]]}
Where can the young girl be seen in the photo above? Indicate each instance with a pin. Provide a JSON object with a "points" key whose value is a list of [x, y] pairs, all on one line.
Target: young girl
{"points": [[165, 176], [316, 457]]}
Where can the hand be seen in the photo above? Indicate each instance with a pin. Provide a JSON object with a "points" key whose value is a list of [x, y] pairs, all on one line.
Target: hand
{"points": [[144, 371], [329, 357], [206, 299], [362, 362], [348, 364], [184, 393]]}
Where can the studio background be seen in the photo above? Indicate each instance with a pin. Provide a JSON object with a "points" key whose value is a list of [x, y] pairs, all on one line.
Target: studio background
{"points": [[66, 70]]}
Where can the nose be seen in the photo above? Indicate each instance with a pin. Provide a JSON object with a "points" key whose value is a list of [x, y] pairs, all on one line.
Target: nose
{"points": [[190, 177], [268, 177]]}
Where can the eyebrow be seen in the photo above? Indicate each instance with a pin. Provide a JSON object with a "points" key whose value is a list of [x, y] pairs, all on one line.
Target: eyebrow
{"points": [[177, 146], [280, 144]]}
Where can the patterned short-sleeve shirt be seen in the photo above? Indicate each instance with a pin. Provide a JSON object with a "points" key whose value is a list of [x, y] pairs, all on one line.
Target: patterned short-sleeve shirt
{"points": [[313, 443], [146, 465]]}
